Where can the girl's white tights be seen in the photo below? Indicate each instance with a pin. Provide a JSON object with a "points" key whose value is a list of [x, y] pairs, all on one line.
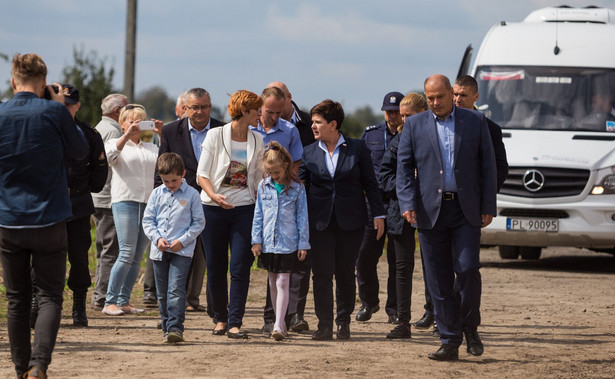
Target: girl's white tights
{"points": [[278, 286]]}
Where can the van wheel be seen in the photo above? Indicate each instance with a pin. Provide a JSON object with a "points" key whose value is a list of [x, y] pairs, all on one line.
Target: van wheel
{"points": [[509, 252], [530, 252]]}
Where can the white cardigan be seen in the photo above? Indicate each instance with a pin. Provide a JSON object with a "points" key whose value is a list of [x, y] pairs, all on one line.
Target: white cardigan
{"points": [[216, 158]]}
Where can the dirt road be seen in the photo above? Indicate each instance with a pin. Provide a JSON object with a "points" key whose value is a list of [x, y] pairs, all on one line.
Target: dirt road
{"points": [[549, 318]]}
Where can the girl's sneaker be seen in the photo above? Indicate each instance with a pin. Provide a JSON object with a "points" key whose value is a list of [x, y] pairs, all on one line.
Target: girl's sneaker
{"points": [[278, 335]]}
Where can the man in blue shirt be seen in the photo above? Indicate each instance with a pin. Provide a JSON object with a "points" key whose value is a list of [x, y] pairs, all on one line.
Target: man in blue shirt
{"points": [[36, 136], [274, 128]]}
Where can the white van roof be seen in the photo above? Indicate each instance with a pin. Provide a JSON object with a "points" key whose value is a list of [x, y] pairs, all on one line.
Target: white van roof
{"points": [[568, 14], [583, 41]]}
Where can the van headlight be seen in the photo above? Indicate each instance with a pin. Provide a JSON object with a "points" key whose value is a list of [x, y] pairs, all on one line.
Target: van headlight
{"points": [[606, 185]]}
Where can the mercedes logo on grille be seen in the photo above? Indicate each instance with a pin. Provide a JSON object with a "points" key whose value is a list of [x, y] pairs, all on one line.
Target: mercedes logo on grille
{"points": [[533, 180]]}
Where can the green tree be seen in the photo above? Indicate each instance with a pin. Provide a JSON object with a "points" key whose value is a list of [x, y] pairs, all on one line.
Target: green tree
{"points": [[8, 92], [157, 103], [356, 122], [90, 75]]}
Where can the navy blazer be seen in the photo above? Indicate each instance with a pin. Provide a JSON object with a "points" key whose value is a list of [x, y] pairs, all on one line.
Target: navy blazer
{"points": [[175, 138], [474, 167], [343, 193]]}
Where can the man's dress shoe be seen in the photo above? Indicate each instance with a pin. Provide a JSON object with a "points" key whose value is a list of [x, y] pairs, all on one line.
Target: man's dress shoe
{"points": [[237, 336], [323, 335], [445, 353], [365, 313], [425, 321], [475, 345], [298, 324], [343, 332]]}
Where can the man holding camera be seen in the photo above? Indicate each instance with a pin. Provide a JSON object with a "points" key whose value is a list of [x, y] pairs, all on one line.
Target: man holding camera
{"points": [[36, 135]]}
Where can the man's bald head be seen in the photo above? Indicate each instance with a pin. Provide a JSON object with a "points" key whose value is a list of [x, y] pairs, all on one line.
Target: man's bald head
{"points": [[288, 111]]}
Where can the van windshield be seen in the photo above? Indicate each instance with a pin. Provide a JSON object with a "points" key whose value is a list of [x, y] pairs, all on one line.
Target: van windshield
{"points": [[548, 98]]}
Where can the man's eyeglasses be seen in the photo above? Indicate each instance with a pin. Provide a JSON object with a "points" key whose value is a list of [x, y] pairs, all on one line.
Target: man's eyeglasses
{"points": [[198, 107], [133, 106]]}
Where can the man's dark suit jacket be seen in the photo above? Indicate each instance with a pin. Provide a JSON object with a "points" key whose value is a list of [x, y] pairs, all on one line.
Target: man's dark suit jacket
{"points": [[343, 193], [304, 125], [175, 138], [501, 162], [474, 167]]}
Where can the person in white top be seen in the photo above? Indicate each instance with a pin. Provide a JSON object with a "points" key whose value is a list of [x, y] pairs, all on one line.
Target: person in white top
{"points": [[133, 162], [229, 171]]}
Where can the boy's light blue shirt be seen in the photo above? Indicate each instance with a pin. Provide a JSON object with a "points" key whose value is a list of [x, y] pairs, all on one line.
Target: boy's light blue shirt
{"points": [[280, 223], [173, 216]]}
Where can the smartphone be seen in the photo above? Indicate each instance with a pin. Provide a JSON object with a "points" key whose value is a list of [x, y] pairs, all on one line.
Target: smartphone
{"points": [[146, 125]]}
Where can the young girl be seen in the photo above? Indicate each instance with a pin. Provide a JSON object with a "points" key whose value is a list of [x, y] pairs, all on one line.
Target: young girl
{"points": [[280, 233]]}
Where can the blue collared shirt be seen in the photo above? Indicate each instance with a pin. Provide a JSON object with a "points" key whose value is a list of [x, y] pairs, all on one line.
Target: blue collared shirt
{"points": [[331, 160], [446, 140], [173, 216], [197, 138], [286, 134], [280, 221]]}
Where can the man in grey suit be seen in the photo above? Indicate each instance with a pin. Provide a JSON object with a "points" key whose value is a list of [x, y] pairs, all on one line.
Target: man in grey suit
{"points": [[446, 184]]}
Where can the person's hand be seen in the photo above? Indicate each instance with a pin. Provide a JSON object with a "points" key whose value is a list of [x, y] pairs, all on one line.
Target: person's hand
{"points": [[301, 254], [133, 129], [162, 244], [59, 97], [176, 246], [379, 227], [409, 216], [485, 220], [157, 126], [257, 248], [220, 200]]}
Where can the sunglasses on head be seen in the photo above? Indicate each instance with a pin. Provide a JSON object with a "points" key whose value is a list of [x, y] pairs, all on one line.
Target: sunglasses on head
{"points": [[133, 106]]}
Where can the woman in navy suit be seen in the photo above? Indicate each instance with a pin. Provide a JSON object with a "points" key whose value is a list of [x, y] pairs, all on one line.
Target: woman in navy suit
{"points": [[338, 174]]}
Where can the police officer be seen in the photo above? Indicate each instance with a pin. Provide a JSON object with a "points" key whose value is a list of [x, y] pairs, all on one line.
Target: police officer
{"points": [[378, 138], [84, 176]]}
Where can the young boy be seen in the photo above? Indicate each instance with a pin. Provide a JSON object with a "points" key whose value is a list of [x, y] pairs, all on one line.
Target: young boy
{"points": [[172, 220]]}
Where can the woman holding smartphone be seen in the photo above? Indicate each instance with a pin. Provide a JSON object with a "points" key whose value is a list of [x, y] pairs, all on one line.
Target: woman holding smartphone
{"points": [[133, 162]]}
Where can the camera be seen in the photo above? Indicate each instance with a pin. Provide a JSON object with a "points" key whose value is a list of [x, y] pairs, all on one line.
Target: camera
{"points": [[146, 125], [47, 94]]}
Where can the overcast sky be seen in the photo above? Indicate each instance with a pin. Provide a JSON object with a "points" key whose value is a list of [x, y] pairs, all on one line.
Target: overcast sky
{"points": [[353, 52]]}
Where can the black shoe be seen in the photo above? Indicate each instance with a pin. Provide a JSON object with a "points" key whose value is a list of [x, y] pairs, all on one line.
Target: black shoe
{"points": [[238, 335], [365, 313], [436, 330], [218, 332], [400, 331], [80, 318], [33, 311], [267, 328], [343, 332], [425, 321], [475, 345], [298, 324], [323, 335], [393, 319], [445, 353], [149, 298]]}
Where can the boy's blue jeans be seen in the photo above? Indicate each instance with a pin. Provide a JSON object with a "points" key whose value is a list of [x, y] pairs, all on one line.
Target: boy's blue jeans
{"points": [[171, 274]]}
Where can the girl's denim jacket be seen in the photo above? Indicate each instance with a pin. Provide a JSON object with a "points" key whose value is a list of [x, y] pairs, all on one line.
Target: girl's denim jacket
{"points": [[280, 223]]}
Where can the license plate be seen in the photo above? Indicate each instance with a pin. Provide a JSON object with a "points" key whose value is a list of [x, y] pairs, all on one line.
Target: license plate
{"points": [[532, 225]]}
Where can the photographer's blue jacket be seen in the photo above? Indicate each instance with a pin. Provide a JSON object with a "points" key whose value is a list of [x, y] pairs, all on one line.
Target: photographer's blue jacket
{"points": [[35, 136]]}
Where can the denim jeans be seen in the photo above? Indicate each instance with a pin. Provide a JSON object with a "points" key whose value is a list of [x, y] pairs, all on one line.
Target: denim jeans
{"points": [[128, 216], [224, 227], [171, 274], [43, 249]]}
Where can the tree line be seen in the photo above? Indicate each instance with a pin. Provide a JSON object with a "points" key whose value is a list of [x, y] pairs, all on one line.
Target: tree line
{"points": [[93, 77]]}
